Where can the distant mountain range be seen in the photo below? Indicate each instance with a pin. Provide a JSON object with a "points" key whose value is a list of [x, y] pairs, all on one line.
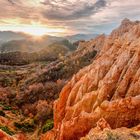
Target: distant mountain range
{"points": [[34, 45], [12, 41], [9, 35], [74, 38]]}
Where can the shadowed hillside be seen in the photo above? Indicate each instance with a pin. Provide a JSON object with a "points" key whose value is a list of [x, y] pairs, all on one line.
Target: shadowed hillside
{"points": [[16, 53]]}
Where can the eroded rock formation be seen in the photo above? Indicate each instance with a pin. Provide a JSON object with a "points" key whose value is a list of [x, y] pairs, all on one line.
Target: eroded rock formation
{"points": [[108, 88], [104, 132]]}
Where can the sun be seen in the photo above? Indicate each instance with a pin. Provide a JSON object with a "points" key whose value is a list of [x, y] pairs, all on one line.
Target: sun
{"points": [[34, 29]]}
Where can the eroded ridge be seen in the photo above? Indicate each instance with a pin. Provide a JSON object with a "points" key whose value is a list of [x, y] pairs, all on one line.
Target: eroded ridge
{"points": [[108, 88]]}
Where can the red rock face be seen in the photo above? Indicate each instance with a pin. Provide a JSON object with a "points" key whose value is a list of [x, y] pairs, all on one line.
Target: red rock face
{"points": [[108, 88]]}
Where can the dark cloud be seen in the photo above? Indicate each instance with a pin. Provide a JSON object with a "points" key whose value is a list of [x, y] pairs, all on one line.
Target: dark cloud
{"points": [[69, 11], [11, 1]]}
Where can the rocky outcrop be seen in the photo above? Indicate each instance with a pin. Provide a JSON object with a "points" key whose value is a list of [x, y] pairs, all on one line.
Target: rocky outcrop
{"points": [[95, 43], [108, 88], [103, 132]]}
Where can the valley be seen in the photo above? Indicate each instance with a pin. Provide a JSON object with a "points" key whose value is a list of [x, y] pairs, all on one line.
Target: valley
{"points": [[28, 90], [69, 70]]}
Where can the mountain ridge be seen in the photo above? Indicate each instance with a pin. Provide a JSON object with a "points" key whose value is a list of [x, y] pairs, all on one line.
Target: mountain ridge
{"points": [[108, 88]]}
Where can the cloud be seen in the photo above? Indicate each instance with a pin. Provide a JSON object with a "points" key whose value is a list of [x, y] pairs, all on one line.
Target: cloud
{"points": [[11, 1], [58, 10], [78, 16]]}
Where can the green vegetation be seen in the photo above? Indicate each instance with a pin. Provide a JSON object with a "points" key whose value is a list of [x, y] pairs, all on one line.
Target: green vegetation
{"points": [[2, 113], [111, 136], [47, 126], [69, 45], [14, 111], [7, 130], [6, 107], [6, 81], [25, 126]]}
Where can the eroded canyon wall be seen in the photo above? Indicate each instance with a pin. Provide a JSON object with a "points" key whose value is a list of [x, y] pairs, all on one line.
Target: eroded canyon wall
{"points": [[108, 88]]}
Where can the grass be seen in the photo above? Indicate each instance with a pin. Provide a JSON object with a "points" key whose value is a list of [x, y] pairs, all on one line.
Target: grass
{"points": [[7, 130], [5, 107], [25, 126]]}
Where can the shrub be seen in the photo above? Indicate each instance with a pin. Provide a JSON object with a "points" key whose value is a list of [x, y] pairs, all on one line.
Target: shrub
{"points": [[6, 107], [47, 126], [25, 126], [7, 130], [111, 136], [14, 111], [44, 111], [2, 113]]}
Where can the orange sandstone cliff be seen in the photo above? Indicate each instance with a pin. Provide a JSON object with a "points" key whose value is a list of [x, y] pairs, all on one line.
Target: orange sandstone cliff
{"points": [[108, 90]]}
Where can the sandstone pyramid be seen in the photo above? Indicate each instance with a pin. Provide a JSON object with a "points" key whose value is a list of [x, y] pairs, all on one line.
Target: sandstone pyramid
{"points": [[108, 89]]}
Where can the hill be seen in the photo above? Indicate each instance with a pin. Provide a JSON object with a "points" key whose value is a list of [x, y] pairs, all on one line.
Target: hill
{"points": [[32, 44], [12, 41], [76, 37], [23, 52], [9, 35]]}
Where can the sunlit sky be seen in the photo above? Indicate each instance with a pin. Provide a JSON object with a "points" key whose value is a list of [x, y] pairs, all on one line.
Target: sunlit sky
{"points": [[65, 17]]}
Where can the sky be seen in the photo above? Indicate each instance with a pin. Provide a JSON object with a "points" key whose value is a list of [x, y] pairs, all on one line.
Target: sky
{"points": [[66, 17]]}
